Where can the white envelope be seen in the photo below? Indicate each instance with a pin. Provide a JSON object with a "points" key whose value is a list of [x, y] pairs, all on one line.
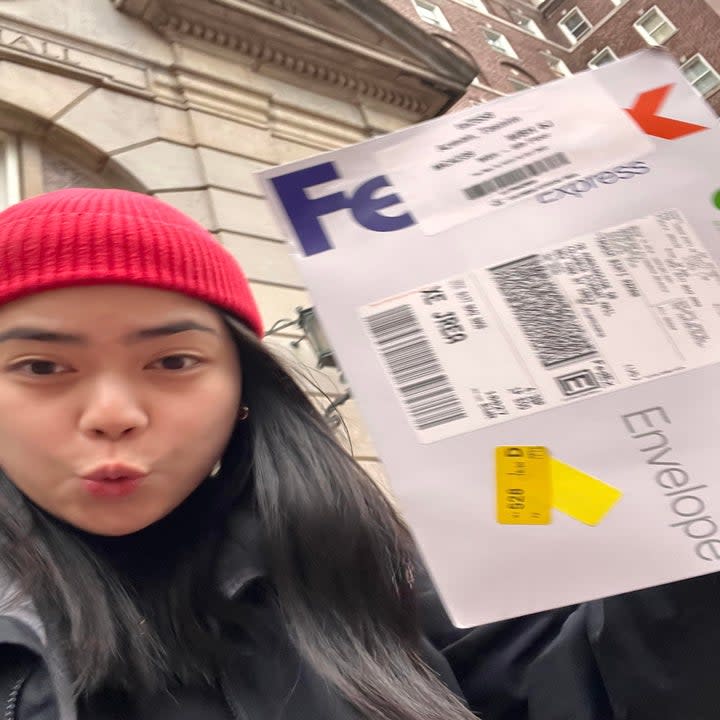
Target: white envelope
{"points": [[539, 271]]}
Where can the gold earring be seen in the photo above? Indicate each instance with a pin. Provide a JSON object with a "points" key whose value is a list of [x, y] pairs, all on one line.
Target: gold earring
{"points": [[244, 413]]}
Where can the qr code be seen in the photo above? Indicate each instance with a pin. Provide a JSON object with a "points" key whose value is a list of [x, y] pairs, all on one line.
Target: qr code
{"points": [[544, 313], [578, 383]]}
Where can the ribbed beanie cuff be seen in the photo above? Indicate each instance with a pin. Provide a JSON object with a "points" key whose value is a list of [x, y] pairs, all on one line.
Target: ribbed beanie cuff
{"points": [[84, 236]]}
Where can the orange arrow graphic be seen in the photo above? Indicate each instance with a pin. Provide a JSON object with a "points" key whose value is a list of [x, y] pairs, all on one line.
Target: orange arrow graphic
{"points": [[644, 113]]}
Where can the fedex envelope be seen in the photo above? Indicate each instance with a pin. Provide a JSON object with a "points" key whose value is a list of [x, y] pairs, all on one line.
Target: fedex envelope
{"points": [[525, 299]]}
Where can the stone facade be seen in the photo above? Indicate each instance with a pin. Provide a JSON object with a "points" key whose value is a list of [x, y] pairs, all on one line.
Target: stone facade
{"points": [[185, 99], [613, 25]]}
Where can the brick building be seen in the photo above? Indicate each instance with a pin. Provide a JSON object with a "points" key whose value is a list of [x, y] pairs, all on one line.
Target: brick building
{"points": [[516, 44]]}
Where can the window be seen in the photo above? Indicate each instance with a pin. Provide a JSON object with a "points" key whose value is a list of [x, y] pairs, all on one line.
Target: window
{"points": [[528, 24], [654, 27], [575, 25], [498, 42], [605, 56], [557, 65], [477, 4], [519, 84], [431, 13], [701, 75]]}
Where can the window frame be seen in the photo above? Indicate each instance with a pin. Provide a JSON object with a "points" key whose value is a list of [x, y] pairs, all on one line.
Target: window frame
{"points": [[574, 40], [536, 31], [607, 49], [710, 69], [506, 42], [645, 35], [554, 61], [519, 84], [475, 4], [440, 20]]}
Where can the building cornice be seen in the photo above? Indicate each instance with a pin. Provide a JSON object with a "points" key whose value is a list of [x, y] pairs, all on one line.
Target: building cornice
{"points": [[405, 68]]}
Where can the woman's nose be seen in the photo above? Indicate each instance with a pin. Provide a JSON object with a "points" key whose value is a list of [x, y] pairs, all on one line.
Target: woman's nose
{"points": [[113, 410]]}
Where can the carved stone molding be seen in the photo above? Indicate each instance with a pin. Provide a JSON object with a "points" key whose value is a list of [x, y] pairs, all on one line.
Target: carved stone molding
{"points": [[266, 52], [276, 37], [285, 7], [43, 48]]}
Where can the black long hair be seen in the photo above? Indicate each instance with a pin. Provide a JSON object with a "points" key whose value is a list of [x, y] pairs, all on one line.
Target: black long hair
{"points": [[133, 612]]}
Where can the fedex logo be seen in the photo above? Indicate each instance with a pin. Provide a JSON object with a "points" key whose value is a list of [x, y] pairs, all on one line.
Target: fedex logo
{"points": [[366, 204]]}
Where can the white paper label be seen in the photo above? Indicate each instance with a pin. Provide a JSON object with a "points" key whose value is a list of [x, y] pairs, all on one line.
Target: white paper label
{"points": [[595, 314], [473, 163]]}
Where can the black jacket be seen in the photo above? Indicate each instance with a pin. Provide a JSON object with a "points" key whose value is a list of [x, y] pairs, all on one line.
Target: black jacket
{"points": [[649, 655]]}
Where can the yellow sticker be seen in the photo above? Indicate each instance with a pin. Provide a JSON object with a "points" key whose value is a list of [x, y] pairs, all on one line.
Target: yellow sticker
{"points": [[580, 495], [524, 486], [531, 483]]}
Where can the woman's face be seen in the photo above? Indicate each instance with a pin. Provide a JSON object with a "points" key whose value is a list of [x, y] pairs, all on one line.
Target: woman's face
{"points": [[114, 380]]}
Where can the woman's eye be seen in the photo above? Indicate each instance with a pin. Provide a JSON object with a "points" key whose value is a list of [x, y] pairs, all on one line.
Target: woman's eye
{"points": [[177, 362], [39, 367]]}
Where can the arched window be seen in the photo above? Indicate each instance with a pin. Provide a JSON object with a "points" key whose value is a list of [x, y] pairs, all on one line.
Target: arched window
{"points": [[64, 166], [520, 72]]}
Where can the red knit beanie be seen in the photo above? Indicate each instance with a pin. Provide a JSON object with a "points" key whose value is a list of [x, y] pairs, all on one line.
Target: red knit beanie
{"points": [[85, 236]]}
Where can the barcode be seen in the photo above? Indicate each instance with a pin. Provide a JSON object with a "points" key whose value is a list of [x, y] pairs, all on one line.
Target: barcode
{"points": [[416, 371], [543, 312], [515, 176]]}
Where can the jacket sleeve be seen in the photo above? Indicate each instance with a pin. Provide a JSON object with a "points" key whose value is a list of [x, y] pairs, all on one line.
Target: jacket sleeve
{"points": [[646, 655]]}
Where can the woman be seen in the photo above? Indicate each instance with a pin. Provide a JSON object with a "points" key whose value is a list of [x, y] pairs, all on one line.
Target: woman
{"points": [[180, 534]]}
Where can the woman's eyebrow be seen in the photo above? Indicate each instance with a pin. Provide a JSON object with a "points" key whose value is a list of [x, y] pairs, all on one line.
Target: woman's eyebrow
{"points": [[168, 329], [43, 335]]}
